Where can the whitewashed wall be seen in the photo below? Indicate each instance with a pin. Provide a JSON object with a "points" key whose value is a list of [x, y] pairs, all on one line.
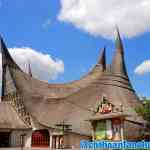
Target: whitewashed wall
{"points": [[15, 140], [28, 139]]}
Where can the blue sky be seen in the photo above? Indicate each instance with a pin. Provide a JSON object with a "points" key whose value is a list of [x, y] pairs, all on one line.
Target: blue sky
{"points": [[34, 24]]}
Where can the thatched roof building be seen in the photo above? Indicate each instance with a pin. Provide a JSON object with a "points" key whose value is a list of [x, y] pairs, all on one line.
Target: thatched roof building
{"points": [[74, 102]]}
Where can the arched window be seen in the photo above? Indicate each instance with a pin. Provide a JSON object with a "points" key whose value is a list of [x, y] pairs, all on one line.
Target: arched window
{"points": [[40, 138]]}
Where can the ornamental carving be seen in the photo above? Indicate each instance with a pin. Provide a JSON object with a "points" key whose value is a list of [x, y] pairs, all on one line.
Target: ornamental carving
{"points": [[105, 106]]}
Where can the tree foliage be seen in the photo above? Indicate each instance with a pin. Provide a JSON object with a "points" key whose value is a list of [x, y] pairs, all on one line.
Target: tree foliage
{"points": [[145, 113], [145, 110]]}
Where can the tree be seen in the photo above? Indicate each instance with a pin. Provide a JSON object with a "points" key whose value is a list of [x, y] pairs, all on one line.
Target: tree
{"points": [[145, 113]]}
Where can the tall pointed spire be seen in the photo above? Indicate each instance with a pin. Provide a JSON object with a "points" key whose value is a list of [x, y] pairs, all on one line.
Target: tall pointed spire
{"points": [[29, 70], [102, 58], [6, 57], [6, 74], [5, 54], [4, 51], [2, 47], [118, 64], [118, 41]]}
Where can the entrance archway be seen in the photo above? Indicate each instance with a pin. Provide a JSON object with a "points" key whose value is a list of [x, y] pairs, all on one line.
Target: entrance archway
{"points": [[40, 138], [4, 139]]}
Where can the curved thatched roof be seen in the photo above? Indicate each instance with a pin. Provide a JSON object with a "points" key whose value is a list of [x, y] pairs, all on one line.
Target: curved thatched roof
{"points": [[26, 82], [9, 118], [74, 102]]}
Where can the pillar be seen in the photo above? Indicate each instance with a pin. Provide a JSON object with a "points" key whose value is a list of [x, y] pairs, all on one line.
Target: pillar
{"points": [[28, 139], [122, 130], [57, 142], [51, 142], [93, 123]]}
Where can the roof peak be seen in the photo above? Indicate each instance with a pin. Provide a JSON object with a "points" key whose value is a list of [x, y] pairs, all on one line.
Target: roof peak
{"points": [[29, 70], [6, 57], [118, 41], [118, 63], [102, 58], [7, 61]]}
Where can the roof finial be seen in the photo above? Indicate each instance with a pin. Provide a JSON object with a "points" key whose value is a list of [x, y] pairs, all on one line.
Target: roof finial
{"points": [[118, 41], [29, 70], [6, 57], [102, 58], [118, 64], [7, 61]]}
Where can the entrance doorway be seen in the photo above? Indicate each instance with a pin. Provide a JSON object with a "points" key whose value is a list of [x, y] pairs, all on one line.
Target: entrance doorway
{"points": [[4, 139], [40, 138], [57, 142]]}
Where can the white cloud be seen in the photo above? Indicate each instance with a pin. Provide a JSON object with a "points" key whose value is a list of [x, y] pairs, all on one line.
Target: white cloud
{"points": [[99, 17], [143, 68], [43, 66]]}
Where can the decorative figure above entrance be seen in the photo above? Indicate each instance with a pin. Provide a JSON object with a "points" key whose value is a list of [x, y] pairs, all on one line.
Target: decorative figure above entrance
{"points": [[105, 106], [108, 121]]}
